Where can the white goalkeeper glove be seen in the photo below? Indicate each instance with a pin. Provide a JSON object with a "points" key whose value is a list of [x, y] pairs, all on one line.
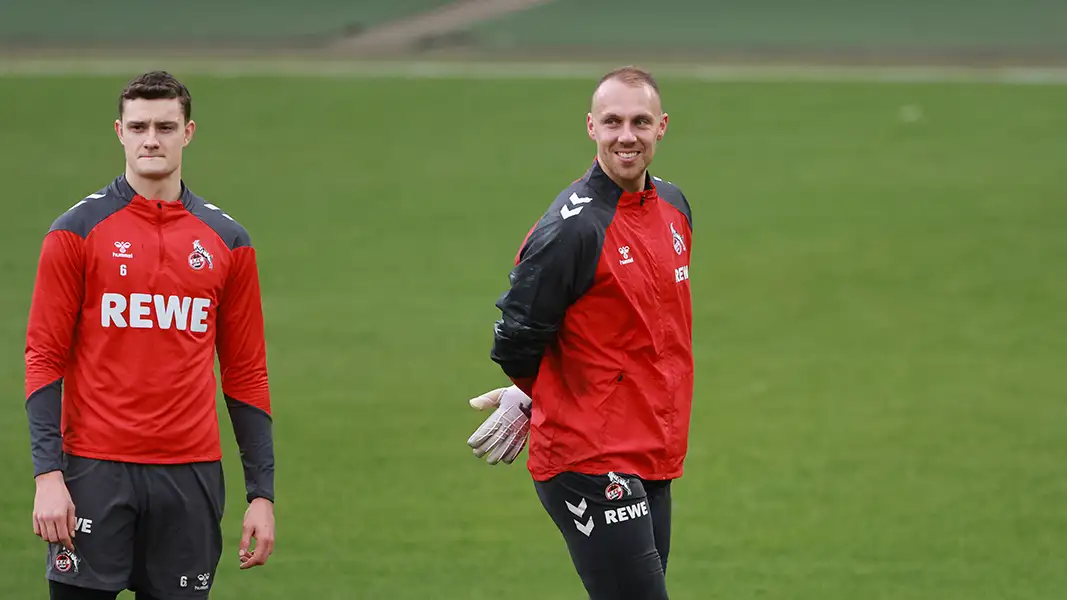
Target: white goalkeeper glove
{"points": [[503, 435]]}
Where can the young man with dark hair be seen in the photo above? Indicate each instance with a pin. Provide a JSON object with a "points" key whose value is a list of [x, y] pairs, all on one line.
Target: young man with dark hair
{"points": [[596, 335], [138, 286]]}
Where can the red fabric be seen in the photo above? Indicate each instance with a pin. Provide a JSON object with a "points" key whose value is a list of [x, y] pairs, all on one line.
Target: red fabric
{"points": [[134, 336], [614, 392]]}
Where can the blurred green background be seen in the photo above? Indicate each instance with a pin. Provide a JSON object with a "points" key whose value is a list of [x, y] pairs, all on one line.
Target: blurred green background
{"points": [[972, 30], [877, 275]]}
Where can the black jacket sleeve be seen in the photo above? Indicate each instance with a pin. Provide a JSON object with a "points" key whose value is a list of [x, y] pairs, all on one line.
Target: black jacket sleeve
{"points": [[556, 265]]}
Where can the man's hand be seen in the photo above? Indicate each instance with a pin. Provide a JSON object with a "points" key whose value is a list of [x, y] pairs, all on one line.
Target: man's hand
{"points": [[258, 527], [503, 435], [53, 510]]}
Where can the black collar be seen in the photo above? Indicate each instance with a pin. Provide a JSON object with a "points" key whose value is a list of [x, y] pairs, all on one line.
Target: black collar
{"points": [[606, 188], [124, 190]]}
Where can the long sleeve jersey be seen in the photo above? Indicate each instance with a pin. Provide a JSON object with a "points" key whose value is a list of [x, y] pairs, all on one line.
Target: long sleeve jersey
{"points": [[597, 329], [133, 299]]}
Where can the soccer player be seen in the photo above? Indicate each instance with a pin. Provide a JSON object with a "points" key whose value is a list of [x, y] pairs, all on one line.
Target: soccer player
{"points": [[596, 336], [137, 287]]}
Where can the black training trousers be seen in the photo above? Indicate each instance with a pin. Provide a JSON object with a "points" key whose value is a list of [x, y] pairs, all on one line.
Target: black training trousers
{"points": [[618, 531]]}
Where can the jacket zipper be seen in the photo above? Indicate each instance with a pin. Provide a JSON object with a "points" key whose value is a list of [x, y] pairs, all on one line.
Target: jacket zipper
{"points": [[159, 229]]}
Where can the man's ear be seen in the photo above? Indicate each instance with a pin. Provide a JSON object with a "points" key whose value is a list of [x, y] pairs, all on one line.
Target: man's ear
{"points": [[190, 129]]}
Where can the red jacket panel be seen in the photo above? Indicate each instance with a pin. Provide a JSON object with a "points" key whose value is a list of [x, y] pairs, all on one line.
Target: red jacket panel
{"points": [[599, 319], [132, 300]]}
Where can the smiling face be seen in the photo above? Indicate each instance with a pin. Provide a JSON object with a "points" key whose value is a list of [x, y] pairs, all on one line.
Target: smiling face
{"points": [[626, 122]]}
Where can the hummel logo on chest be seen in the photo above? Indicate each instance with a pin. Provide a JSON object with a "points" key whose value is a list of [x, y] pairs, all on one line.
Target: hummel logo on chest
{"points": [[626, 258], [122, 248]]}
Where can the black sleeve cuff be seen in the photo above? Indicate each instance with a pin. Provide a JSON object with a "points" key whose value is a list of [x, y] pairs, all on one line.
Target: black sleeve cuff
{"points": [[253, 429], [44, 410]]}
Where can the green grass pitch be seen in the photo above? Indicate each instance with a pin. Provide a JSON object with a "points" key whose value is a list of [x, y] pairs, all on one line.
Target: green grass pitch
{"points": [[879, 298]]}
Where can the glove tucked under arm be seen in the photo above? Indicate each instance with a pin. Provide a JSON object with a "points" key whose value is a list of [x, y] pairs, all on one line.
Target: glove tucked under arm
{"points": [[503, 435]]}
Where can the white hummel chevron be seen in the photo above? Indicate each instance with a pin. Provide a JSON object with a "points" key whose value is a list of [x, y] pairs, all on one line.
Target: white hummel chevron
{"points": [[577, 510], [213, 207], [587, 528], [87, 198], [567, 212]]}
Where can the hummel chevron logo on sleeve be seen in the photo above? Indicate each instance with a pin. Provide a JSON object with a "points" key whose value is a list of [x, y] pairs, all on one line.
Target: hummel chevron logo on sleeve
{"points": [[567, 212]]}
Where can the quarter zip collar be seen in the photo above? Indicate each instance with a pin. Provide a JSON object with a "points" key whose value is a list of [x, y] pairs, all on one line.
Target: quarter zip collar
{"points": [[124, 190], [608, 190]]}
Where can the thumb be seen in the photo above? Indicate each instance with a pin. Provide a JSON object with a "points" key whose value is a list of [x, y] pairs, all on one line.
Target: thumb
{"points": [[488, 400], [72, 521]]}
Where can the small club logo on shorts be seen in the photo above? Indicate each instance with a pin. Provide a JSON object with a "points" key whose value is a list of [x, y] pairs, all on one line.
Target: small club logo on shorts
{"points": [[618, 488], [66, 562]]}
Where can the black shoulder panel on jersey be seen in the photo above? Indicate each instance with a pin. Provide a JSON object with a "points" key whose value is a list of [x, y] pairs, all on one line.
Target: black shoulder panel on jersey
{"points": [[231, 232], [674, 196], [575, 226], [81, 218], [557, 265]]}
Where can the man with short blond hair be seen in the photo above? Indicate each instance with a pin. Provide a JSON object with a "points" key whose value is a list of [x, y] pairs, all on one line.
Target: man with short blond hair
{"points": [[596, 336]]}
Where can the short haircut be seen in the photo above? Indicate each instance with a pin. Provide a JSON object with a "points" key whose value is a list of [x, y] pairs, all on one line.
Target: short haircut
{"points": [[632, 76], [157, 85]]}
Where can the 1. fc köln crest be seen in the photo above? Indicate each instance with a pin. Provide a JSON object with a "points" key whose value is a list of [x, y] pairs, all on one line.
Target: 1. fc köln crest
{"points": [[618, 488], [200, 257], [679, 241], [66, 562]]}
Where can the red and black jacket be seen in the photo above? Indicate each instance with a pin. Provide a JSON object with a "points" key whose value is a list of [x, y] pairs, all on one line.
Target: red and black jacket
{"points": [[597, 329], [133, 299]]}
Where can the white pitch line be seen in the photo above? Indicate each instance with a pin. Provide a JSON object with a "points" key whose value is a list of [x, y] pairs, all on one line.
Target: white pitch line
{"points": [[526, 70]]}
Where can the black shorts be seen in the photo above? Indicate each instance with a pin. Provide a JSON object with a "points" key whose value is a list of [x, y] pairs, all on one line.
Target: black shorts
{"points": [[618, 531], [150, 528]]}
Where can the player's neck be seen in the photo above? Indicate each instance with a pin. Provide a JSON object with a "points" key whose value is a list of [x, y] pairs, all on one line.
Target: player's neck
{"points": [[166, 189]]}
